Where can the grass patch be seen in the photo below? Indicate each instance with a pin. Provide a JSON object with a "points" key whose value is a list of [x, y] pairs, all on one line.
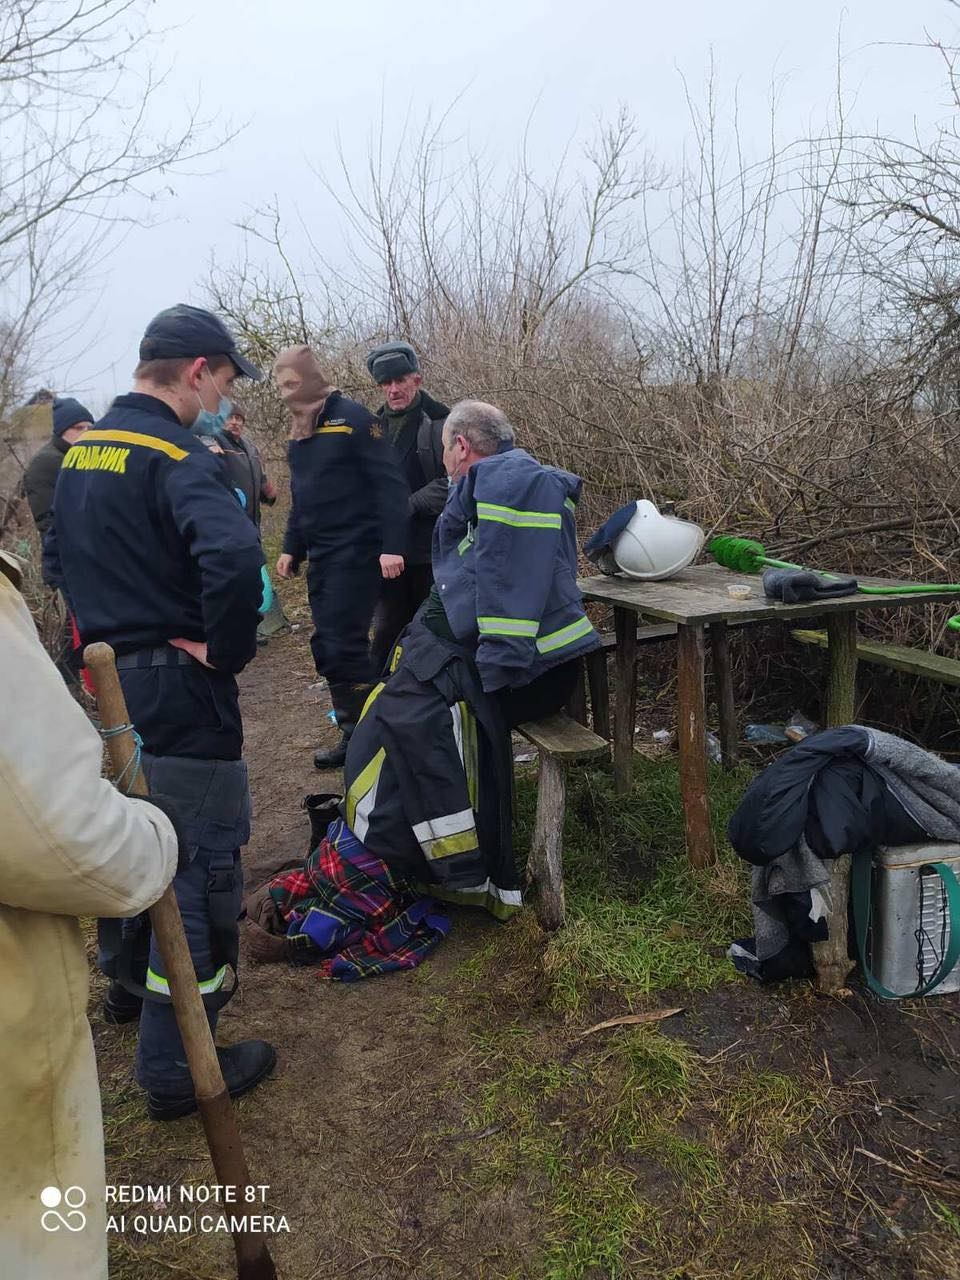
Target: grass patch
{"points": [[648, 1160], [639, 918]]}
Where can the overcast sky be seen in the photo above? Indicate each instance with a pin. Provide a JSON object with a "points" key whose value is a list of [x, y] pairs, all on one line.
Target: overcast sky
{"points": [[295, 73]]}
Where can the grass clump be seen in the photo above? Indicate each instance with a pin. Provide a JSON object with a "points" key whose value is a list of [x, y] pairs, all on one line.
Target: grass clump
{"points": [[639, 918], [645, 1159]]}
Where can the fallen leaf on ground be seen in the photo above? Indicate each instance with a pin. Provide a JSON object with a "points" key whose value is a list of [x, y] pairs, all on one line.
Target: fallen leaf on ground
{"points": [[631, 1019]]}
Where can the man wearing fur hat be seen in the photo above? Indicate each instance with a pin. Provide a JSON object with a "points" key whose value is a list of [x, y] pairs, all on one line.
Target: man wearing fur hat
{"points": [[413, 422]]}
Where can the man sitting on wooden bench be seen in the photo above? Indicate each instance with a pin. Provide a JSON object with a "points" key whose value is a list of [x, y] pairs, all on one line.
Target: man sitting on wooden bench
{"points": [[497, 643]]}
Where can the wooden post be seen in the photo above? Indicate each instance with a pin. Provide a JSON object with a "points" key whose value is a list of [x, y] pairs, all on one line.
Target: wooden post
{"points": [[830, 959], [726, 706], [546, 869], [842, 677], [599, 692], [625, 666], [577, 705], [692, 742]]}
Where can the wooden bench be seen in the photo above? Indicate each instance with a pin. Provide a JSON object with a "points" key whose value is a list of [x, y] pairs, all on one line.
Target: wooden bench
{"points": [[561, 742], [912, 662]]}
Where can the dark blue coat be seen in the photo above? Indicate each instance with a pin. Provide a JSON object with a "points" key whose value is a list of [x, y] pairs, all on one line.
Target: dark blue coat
{"points": [[347, 486], [149, 543], [505, 564]]}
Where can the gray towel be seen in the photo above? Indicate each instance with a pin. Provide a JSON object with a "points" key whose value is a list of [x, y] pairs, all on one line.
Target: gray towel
{"points": [[798, 870], [926, 786]]}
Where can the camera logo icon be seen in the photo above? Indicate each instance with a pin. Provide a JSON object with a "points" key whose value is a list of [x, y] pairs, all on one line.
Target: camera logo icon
{"points": [[63, 1208]]}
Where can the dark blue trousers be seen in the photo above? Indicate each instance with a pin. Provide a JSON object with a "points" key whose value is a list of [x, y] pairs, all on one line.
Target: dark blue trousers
{"points": [[343, 586], [213, 801]]}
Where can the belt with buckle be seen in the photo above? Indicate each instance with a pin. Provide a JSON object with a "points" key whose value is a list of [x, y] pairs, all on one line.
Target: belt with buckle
{"points": [[164, 655]]}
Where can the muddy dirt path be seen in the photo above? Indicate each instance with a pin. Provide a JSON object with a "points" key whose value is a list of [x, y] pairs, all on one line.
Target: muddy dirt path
{"points": [[360, 1066]]}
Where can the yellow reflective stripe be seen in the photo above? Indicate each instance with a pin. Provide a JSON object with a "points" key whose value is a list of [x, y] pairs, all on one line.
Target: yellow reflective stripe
{"points": [[566, 635], [362, 784], [447, 846], [371, 697], [334, 431], [508, 627], [156, 982], [570, 505], [501, 903], [465, 545], [136, 437], [471, 758], [518, 519]]}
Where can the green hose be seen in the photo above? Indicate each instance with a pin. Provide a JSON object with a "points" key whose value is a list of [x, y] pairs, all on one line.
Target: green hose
{"points": [[743, 555]]}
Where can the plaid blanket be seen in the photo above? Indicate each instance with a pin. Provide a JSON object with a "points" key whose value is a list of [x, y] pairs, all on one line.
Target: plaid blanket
{"points": [[351, 909]]}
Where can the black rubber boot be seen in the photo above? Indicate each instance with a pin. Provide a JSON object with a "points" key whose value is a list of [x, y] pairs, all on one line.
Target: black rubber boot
{"points": [[332, 757], [243, 1065], [348, 700], [321, 810], [120, 1005]]}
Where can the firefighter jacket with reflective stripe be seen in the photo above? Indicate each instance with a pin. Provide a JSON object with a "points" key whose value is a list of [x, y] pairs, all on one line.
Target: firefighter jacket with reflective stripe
{"points": [[148, 541], [505, 564], [428, 777]]}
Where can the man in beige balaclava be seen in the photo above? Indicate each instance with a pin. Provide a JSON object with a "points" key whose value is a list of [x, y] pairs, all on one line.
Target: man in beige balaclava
{"points": [[348, 520]]}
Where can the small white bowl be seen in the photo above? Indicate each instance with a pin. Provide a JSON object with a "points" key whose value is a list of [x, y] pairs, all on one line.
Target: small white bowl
{"points": [[739, 591]]}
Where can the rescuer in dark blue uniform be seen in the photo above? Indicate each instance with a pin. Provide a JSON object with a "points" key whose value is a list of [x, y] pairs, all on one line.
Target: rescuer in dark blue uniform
{"points": [[156, 557], [348, 519]]}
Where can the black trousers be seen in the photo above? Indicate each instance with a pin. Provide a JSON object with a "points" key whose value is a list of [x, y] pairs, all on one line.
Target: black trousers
{"points": [[541, 697], [342, 587], [400, 598]]}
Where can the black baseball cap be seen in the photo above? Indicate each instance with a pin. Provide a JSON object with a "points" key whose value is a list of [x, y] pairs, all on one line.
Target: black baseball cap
{"points": [[185, 332]]}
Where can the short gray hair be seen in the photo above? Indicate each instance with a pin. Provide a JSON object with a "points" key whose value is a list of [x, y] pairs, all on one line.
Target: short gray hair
{"points": [[483, 425]]}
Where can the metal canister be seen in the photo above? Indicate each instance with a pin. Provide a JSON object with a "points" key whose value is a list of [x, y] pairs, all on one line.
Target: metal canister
{"points": [[911, 918]]}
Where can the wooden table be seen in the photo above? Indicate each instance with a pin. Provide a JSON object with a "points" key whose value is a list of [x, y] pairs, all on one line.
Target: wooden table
{"points": [[695, 600]]}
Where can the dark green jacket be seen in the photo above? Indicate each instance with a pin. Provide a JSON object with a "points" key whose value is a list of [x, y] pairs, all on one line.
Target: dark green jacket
{"points": [[40, 481]]}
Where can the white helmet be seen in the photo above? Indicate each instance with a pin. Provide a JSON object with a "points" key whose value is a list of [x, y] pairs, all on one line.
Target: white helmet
{"points": [[653, 546]]}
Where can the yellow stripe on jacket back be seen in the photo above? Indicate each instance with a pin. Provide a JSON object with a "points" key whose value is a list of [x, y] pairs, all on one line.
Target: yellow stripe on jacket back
{"points": [[136, 437]]}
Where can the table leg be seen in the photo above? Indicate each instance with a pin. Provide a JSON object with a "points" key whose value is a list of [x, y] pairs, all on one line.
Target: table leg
{"points": [[723, 675], [830, 958], [577, 704], [599, 692], [692, 741], [625, 666]]}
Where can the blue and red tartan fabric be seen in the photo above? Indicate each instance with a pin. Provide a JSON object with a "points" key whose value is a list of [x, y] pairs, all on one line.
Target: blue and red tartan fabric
{"points": [[359, 917]]}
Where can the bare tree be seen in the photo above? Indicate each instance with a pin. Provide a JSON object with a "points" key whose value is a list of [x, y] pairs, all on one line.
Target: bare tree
{"points": [[79, 155], [81, 159]]}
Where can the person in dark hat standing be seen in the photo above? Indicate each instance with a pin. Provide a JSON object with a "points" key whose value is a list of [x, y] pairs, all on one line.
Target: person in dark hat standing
{"points": [[244, 464], [156, 557], [70, 420], [413, 422]]}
